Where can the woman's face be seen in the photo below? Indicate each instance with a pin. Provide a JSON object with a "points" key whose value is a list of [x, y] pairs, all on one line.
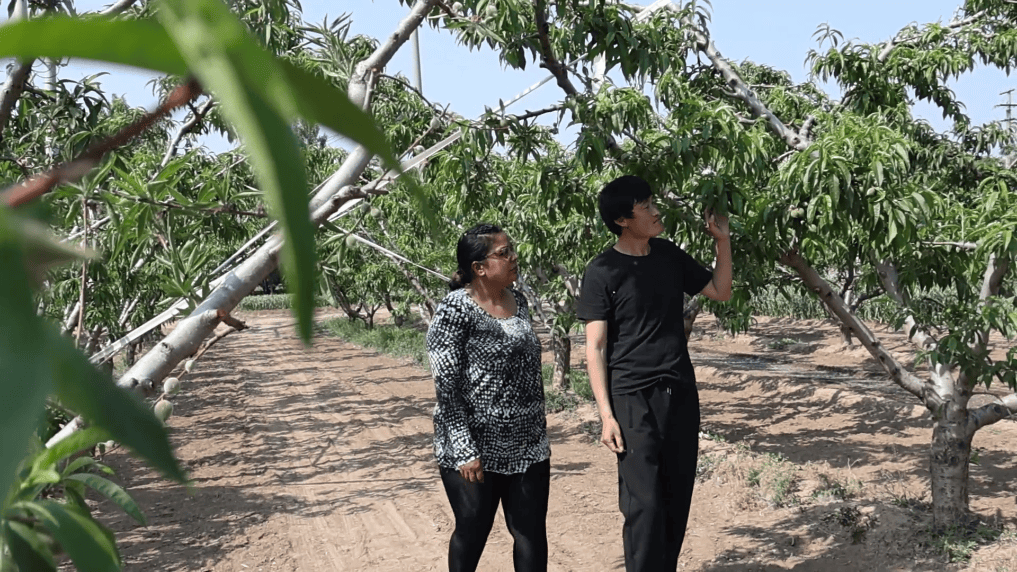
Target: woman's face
{"points": [[501, 264]]}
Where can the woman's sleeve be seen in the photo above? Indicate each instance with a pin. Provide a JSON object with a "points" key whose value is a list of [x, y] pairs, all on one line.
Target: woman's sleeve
{"points": [[446, 348]]}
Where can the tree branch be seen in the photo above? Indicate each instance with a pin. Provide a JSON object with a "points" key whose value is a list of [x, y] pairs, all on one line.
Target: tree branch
{"points": [[993, 412], [216, 210], [12, 90], [548, 60], [17, 80], [901, 376], [196, 118], [740, 90], [952, 26]]}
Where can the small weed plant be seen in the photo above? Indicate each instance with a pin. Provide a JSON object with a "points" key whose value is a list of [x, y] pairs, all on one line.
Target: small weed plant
{"points": [[782, 344], [958, 543], [831, 488], [397, 341], [777, 478]]}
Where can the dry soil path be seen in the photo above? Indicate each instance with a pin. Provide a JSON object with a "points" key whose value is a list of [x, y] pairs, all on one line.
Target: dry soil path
{"points": [[319, 459]]}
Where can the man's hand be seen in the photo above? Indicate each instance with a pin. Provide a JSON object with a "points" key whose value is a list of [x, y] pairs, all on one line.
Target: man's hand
{"points": [[473, 471], [611, 436], [716, 225]]}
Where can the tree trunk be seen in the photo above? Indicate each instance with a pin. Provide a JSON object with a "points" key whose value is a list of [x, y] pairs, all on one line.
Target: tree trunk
{"points": [[689, 315], [561, 348], [948, 465]]}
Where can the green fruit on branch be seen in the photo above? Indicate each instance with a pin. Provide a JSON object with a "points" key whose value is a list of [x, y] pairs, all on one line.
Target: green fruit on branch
{"points": [[163, 409], [351, 241], [798, 213], [171, 386]]}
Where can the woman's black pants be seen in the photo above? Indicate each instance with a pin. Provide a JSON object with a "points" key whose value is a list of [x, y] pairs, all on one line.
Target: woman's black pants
{"points": [[523, 497]]}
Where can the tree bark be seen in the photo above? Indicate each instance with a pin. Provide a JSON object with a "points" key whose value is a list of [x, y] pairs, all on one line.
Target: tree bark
{"points": [[690, 314], [949, 462], [561, 349]]}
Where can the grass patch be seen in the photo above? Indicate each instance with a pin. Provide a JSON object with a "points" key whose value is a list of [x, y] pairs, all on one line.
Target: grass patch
{"points": [[578, 382], [830, 488], [782, 344], [958, 543], [397, 341], [777, 478], [275, 302]]}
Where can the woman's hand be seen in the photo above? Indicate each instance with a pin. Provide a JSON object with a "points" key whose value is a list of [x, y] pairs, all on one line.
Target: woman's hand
{"points": [[473, 471]]}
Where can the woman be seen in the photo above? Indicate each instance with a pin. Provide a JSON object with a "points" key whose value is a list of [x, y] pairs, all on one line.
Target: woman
{"points": [[490, 432]]}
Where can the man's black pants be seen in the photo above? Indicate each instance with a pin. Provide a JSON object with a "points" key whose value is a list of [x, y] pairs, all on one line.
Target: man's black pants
{"points": [[523, 497], [657, 471]]}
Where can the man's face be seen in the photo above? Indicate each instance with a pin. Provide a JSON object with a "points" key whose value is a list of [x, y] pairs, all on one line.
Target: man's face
{"points": [[645, 221]]}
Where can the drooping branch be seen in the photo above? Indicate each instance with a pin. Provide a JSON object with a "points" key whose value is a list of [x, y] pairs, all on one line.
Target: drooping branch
{"points": [[825, 292], [740, 90], [197, 116], [185, 339], [952, 28], [215, 211], [42, 184], [991, 413], [942, 378]]}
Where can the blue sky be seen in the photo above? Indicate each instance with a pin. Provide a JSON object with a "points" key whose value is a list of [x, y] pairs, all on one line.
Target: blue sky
{"points": [[775, 32]]}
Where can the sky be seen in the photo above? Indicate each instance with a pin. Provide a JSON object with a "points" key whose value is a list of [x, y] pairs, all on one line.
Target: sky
{"points": [[776, 32]]}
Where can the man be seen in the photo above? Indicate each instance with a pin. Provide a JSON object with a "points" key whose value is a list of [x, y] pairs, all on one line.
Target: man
{"points": [[642, 377]]}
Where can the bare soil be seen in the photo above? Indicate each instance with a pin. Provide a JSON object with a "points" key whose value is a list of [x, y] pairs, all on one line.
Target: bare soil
{"points": [[320, 459]]}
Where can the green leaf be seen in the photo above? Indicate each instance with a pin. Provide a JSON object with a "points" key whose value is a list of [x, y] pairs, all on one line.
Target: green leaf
{"points": [[93, 394], [139, 43], [25, 381], [322, 103], [259, 101], [82, 538], [29, 551], [113, 492], [77, 441]]}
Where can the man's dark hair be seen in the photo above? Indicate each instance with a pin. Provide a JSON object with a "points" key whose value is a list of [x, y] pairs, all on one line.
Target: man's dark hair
{"points": [[619, 196]]}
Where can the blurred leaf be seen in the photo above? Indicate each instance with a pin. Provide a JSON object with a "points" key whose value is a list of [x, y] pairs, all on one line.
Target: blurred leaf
{"points": [[139, 43], [258, 100], [25, 382], [93, 394], [77, 441], [84, 540], [113, 492], [29, 551]]}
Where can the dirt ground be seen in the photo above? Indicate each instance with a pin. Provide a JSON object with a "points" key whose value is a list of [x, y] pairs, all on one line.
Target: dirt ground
{"points": [[320, 459]]}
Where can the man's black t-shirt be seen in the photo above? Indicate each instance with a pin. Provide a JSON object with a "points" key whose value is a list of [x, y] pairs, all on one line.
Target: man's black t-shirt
{"points": [[642, 299]]}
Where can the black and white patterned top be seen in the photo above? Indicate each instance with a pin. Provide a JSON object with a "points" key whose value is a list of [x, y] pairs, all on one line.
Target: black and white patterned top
{"points": [[487, 380]]}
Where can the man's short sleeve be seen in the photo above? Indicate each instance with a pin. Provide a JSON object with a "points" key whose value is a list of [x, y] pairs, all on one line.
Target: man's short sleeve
{"points": [[594, 298], [696, 277]]}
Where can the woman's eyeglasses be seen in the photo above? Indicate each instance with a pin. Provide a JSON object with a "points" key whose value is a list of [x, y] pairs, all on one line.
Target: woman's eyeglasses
{"points": [[504, 252]]}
